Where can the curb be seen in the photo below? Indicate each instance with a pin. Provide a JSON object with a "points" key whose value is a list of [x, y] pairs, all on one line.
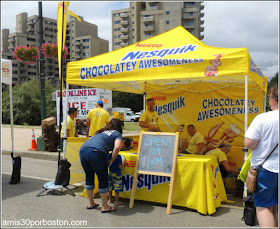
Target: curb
{"points": [[43, 155]]}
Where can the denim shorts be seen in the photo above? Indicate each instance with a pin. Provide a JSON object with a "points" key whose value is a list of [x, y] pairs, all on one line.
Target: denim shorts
{"points": [[266, 194], [95, 162]]}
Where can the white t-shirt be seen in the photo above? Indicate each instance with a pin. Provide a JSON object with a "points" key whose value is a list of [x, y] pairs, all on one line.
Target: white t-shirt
{"points": [[265, 128]]}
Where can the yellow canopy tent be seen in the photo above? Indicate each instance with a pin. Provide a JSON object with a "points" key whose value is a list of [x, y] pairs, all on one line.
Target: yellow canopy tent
{"points": [[172, 60], [176, 63]]}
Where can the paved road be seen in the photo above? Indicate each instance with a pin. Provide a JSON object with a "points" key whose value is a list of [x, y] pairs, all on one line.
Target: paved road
{"points": [[20, 203], [23, 137]]}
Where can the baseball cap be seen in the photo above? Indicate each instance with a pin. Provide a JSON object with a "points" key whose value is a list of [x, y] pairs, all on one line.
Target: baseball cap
{"points": [[100, 103]]}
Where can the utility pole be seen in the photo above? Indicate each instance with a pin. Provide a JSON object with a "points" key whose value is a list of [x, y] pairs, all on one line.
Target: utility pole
{"points": [[41, 65]]}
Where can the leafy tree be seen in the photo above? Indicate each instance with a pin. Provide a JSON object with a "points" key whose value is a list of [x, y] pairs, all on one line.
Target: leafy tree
{"points": [[27, 103], [273, 81], [123, 99]]}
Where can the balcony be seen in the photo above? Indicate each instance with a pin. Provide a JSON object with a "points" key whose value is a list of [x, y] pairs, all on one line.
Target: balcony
{"points": [[78, 43], [201, 37], [124, 15], [124, 44], [201, 29], [201, 6], [124, 30], [148, 19], [153, 8], [201, 22], [148, 28], [78, 50], [124, 37], [185, 16], [201, 14], [189, 26], [124, 22]]}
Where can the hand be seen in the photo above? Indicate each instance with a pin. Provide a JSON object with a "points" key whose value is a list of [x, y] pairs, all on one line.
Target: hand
{"points": [[155, 129], [110, 163], [237, 172], [124, 163]]}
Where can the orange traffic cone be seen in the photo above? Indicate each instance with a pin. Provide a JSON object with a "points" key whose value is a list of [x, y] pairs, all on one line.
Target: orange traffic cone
{"points": [[33, 143]]}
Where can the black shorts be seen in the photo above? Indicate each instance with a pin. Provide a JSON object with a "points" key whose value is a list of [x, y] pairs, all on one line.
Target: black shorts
{"points": [[223, 171]]}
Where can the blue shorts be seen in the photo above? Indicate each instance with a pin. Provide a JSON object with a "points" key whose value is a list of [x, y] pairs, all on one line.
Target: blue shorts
{"points": [[266, 194]]}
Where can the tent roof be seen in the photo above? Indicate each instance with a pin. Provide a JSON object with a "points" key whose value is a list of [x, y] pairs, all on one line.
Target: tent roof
{"points": [[173, 58]]}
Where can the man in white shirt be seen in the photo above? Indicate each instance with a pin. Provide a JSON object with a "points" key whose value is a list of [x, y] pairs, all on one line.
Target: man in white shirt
{"points": [[261, 137]]}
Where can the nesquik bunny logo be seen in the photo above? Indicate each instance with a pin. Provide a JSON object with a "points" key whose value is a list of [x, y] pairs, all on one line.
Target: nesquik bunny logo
{"points": [[212, 70]]}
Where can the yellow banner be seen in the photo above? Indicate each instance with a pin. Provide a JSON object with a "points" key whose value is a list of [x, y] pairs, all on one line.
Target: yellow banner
{"points": [[198, 183], [175, 57]]}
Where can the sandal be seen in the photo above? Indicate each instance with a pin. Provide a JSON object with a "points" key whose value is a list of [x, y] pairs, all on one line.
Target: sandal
{"points": [[94, 206], [110, 210]]}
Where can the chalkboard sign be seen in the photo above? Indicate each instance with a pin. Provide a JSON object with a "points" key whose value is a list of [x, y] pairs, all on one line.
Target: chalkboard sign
{"points": [[156, 153], [156, 156]]}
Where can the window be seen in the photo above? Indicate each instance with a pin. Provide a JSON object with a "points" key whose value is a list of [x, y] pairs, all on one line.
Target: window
{"points": [[167, 22], [72, 31], [117, 29], [117, 36], [132, 37], [190, 23], [31, 73], [117, 43], [148, 15], [72, 24], [189, 13], [133, 22], [86, 40], [14, 72], [117, 15], [117, 22], [132, 7], [167, 12], [132, 29], [78, 41], [191, 3], [86, 47], [14, 65], [86, 54], [132, 15]]}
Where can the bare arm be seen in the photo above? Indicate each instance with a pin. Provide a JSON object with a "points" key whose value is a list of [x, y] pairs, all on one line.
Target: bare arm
{"points": [[68, 132], [88, 124], [150, 127], [250, 143], [116, 150], [76, 133], [107, 123], [229, 169], [200, 147], [123, 165]]}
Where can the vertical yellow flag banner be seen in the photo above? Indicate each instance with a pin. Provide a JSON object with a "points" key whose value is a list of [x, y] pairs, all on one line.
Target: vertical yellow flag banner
{"points": [[61, 30]]}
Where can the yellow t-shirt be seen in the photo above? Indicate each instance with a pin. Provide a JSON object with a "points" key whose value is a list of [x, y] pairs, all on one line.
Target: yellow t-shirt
{"points": [[219, 154], [149, 118], [194, 141], [71, 125], [98, 118]]}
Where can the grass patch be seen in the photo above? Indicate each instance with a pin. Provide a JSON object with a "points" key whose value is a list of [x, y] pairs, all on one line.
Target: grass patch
{"points": [[132, 126]]}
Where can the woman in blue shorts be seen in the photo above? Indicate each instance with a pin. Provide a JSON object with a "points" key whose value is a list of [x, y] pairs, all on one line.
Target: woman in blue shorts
{"points": [[93, 156], [262, 136]]}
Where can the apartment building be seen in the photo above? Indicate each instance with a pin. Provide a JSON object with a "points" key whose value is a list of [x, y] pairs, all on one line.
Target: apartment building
{"points": [[143, 20], [81, 40]]}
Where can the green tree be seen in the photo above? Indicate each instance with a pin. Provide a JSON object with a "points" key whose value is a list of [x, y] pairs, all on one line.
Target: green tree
{"points": [[123, 99], [27, 103], [273, 81]]}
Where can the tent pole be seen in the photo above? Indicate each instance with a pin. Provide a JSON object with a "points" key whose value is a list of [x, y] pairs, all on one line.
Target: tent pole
{"points": [[246, 126], [264, 103], [11, 117], [65, 121]]}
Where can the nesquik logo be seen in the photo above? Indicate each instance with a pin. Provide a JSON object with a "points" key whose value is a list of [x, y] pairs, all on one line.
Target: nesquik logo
{"points": [[212, 70]]}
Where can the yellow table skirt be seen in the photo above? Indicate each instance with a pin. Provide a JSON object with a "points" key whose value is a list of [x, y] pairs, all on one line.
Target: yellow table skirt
{"points": [[198, 183]]}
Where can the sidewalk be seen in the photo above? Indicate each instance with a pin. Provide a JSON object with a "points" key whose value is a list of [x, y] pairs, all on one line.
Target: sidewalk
{"points": [[22, 142]]}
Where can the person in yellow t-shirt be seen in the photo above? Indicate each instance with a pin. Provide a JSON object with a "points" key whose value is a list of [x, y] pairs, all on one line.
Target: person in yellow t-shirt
{"points": [[149, 119], [194, 143], [96, 119], [223, 148], [71, 124]]}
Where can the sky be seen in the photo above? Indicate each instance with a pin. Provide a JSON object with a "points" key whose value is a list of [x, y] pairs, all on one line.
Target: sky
{"points": [[228, 24]]}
